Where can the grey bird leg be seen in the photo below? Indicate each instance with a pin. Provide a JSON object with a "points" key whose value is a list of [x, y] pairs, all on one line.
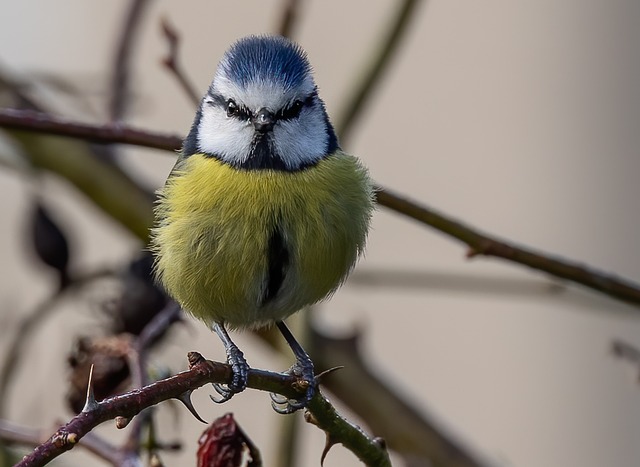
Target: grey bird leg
{"points": [[239, 366], [303, 368]]}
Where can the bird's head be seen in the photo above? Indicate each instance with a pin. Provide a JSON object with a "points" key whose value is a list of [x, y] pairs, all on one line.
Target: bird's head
{"points": [[262, 110]]}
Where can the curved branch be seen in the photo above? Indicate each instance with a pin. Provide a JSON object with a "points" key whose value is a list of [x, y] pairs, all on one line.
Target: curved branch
{"points": [[202, 372], [486, 245]]}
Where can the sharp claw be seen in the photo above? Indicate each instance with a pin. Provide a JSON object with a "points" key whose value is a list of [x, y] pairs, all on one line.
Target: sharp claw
{"points": [[223, 399], [239, 368], [282, 404], [278, 398], [282, 411], [302, 369]]}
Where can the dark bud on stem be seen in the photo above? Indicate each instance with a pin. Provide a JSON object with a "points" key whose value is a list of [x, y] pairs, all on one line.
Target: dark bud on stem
{"points": [[50, 243]]}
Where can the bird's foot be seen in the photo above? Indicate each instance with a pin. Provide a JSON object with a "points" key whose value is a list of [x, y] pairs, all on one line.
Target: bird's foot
{"points": [[240, 371], [303, 370]]}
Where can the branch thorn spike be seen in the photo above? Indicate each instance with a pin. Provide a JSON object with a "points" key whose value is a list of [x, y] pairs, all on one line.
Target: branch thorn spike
{"points": [[327, 372], [185, 398], [90, 402], [330, 442]]}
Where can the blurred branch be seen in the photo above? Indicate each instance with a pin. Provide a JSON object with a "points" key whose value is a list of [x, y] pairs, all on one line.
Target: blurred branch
{"points": [[20, 338], [201, 372], [120, 79], [108, 133], [479, 244], [171, 61], [139, 372], [417, 437], [12, 433], [287, 441], [370, 76], [289, 17]]}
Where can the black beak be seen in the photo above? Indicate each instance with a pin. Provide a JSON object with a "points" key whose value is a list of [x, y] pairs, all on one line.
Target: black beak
{"points": [[263, 121]]}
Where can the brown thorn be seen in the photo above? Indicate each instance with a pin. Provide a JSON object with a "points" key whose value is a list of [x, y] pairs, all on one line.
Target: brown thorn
{"points": [[327, 372], [185, 398], [329, 443]]}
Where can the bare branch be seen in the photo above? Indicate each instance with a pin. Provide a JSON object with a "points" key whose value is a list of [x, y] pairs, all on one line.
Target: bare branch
{"points": [[28, 120], [372, 73], [481, 244], [120, 79], [12, 433], [201, 372], [21, 336], [172, 63]]}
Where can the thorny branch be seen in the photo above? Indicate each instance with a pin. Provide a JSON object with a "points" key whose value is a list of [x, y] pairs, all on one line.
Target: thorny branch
{"points": [[201, 372], [16, 434], [479, 243]]}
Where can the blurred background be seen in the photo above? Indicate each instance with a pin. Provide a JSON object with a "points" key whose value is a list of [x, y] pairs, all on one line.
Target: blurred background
{"points": [[519, 118]]}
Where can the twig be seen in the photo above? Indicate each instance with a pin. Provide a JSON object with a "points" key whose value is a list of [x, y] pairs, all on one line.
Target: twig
{"points": [[154, 328], [120, 79], [21, 336], [480, 244], [171, 61], [289, 17], [410, 432], [370, 76], [138, 367], [28, 120], [201, 372], [12, 433]]}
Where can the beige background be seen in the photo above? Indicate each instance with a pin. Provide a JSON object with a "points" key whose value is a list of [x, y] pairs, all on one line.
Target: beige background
{"points": [[522, 118]]}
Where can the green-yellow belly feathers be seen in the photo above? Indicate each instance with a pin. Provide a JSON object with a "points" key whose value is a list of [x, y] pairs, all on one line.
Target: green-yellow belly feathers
{"points": [[217, 225]]}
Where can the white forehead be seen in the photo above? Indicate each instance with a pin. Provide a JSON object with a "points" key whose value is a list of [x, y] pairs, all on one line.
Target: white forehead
{"points": [[262, 93]]}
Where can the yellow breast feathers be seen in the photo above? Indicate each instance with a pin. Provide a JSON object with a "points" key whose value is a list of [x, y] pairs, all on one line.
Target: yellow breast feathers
{"points": [[250, 246]]}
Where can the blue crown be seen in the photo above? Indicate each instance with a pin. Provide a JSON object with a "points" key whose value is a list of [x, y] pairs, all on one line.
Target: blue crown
{"points": [[266, 58]]}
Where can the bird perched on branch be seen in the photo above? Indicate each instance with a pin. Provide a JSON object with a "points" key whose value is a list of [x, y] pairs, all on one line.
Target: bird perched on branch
{"points": [[263, 214]]}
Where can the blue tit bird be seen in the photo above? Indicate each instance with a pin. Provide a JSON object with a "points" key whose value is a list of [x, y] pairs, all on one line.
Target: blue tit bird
{"points": [[263, 214]]}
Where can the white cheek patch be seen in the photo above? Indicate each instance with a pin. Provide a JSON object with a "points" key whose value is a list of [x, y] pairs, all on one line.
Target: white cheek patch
{"points": [[302, 140], [228, 138], [299, 141]]}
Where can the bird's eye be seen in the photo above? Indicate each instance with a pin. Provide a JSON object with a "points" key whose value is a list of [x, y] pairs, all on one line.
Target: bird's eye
{"points": [[297, 107], [232, 108], [293, 110]]}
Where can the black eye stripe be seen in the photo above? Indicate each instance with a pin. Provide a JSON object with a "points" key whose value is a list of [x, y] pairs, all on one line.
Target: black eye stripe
{"points": [[294, 109], [240, 112]]}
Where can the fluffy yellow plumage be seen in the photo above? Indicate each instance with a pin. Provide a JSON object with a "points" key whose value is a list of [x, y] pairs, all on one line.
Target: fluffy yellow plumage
{"points": [[263, 213], [212, 241]]}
